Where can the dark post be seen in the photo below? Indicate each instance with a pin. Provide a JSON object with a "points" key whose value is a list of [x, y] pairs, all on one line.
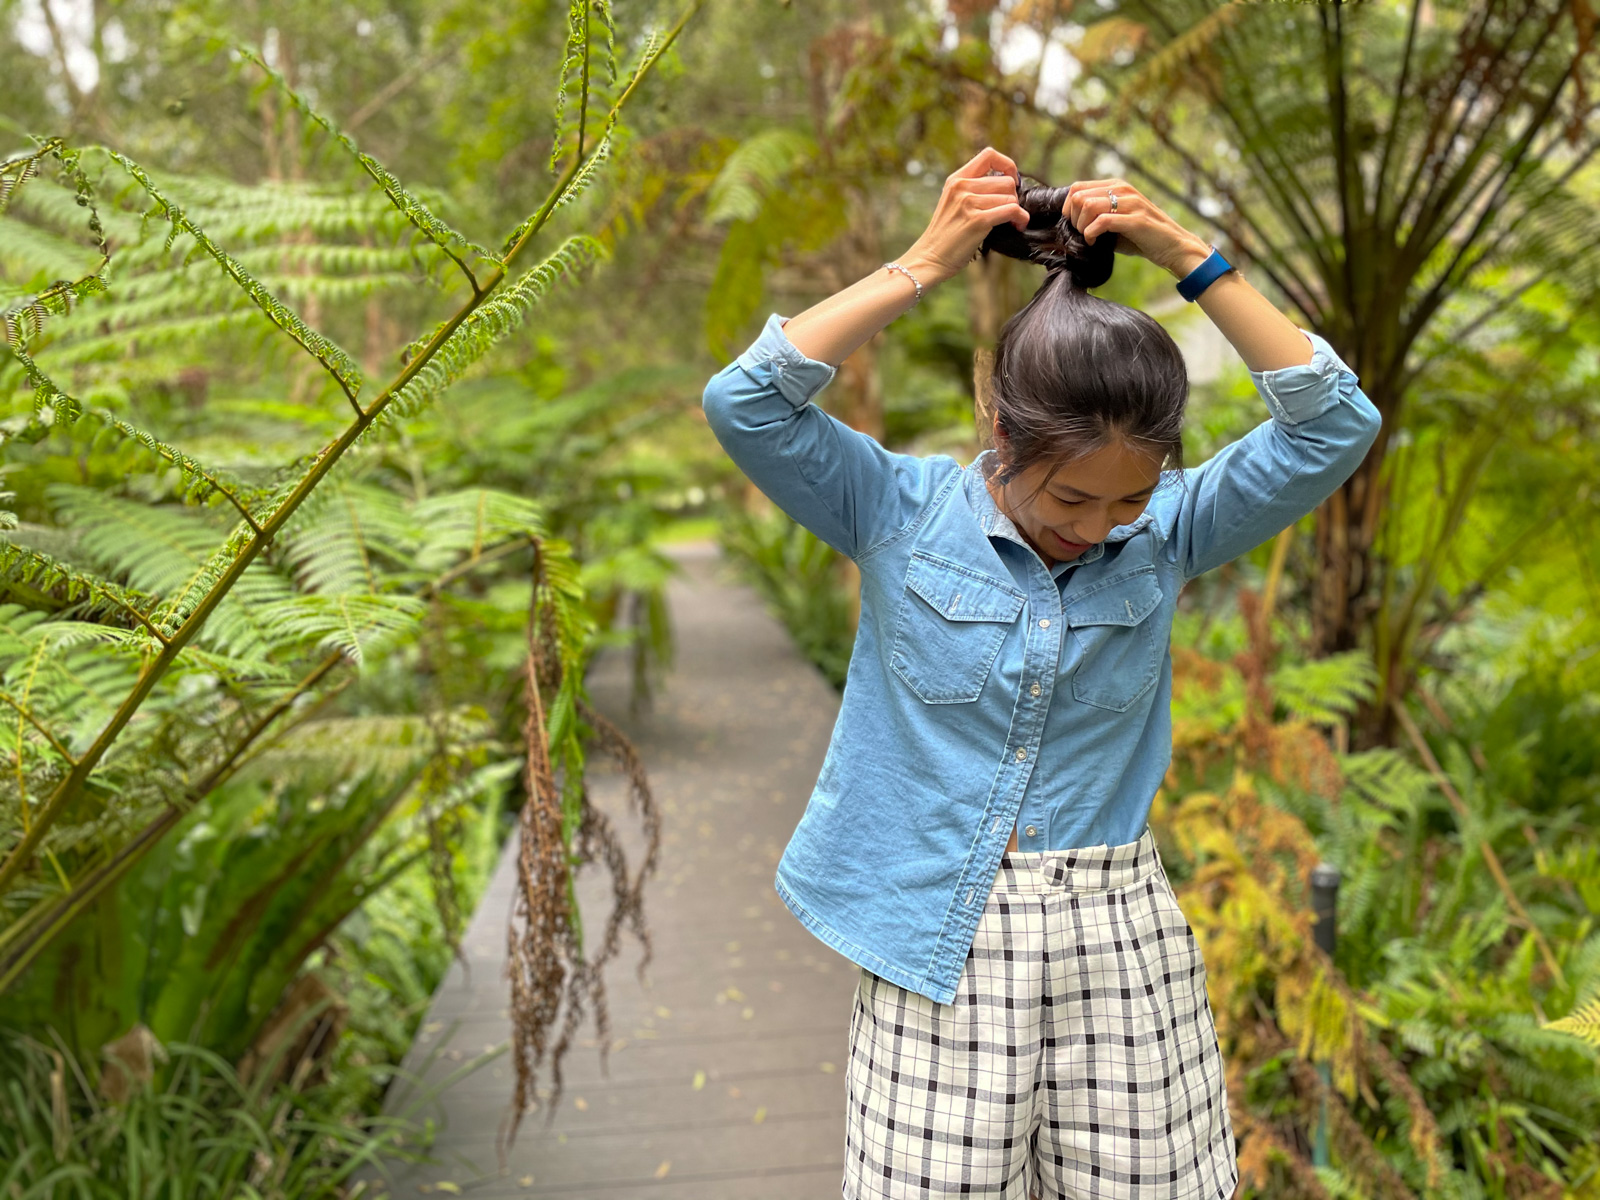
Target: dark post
{"points": [[1325, 907]]}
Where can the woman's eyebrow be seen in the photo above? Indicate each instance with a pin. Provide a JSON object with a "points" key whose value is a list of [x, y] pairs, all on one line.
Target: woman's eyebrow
{"points": [[1082, 495]]}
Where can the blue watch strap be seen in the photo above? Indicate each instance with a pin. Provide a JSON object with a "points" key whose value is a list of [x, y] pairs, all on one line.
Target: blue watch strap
{"points": [[1197, 280]]}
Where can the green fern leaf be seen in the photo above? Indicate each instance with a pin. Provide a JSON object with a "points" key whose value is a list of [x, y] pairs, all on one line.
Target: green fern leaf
{"points": [[92, 595], [486, 326], [339, 364], [353, 624], [465, 524], [414, 211], [1326, 690], [1581, 1022]]}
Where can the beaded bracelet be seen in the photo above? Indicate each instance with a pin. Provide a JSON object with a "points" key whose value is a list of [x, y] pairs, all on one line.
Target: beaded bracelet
{"points": [[894, 266]]}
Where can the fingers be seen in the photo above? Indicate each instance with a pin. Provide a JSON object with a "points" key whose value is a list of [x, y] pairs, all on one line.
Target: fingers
{"points": [[1084, 209], [986, 160], [1109, 222]]}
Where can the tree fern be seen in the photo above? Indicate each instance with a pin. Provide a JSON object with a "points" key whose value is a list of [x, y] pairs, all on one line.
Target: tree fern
{"points": [[267, 579]]}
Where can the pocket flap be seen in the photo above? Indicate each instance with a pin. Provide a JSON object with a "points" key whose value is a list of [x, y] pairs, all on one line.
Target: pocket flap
{"points": [[960, 594], [1120, 600]]}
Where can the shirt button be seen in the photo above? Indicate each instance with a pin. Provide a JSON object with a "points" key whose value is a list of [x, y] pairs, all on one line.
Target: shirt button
{"points": [[1030, 831], [1035, 689], [1044, 622], [1021, 754]]}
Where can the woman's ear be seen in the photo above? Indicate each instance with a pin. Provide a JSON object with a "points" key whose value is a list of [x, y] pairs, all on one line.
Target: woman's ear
{"points": [[1000, 428]]}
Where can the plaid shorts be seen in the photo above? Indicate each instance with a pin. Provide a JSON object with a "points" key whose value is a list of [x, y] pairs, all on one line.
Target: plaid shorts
{"points": [[1079, 1058]]}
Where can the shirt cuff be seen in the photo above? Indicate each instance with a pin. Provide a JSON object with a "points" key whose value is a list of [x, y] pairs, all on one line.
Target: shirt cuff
{"points": [[1301, 392], [773, 359]]}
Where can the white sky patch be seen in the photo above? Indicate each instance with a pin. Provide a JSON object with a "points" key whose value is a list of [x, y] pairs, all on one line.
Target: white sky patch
{"points": [[75, 20], [1019, 51]]}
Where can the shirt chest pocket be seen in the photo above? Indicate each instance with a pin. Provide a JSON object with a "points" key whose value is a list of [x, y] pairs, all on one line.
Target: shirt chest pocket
{"points": [[949, 628], [1120, 640]]}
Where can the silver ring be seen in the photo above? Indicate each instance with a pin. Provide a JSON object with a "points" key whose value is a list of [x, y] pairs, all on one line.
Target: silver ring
{"points": [[1113, 201]]}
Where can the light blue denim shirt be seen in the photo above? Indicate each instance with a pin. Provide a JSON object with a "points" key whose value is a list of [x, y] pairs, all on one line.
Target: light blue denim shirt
{"points": [[986, 691]]}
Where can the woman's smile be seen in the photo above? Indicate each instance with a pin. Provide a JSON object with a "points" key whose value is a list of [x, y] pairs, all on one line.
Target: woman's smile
{"points": [[1071, 547]]}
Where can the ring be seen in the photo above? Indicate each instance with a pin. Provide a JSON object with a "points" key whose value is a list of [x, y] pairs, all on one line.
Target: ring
{"points": [[1113, 202]]}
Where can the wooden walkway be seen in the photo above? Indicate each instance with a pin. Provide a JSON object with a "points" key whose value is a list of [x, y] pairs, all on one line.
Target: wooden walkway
{"points": [[726, 1073]]}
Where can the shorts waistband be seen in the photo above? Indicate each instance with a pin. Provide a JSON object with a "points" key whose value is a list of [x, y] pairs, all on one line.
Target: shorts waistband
{"points": [[1088, 869]]}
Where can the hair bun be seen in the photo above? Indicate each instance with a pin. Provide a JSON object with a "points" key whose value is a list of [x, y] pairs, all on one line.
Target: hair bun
{"points": [[1052, 241]]}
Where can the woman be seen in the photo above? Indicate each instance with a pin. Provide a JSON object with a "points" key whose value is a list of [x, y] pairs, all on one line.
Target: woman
{"points": [[1031, 1016]]}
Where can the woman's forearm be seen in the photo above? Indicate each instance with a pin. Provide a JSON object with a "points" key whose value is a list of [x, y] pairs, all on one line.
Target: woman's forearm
{"points": [[1263, 336], [831, 330]]}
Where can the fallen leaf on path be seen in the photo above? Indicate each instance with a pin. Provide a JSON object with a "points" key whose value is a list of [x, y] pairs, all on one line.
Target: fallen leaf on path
{"points": [[661, 1171], [761, 1115], [699, 1080]]}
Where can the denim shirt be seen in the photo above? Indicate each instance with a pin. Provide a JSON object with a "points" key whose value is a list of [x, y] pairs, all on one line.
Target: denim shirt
{"points": [[988, 691]]}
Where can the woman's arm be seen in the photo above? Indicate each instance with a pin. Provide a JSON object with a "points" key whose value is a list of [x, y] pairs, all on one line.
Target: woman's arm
{"points": [[1322, 423], [837, 481], [1263, 336], [972, 203]]}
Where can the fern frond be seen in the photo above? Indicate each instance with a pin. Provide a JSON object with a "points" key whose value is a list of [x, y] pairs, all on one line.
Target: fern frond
{"points": [[414, 211], [19, 323], [585, 176], [1388, 779], [28, 715], [14, 172], [468, 522], [757, 167], [201, 482], [330, 542], [1581, 1022], [1326, 690], [384, 746], [349, 623], [337, 363], [161, 550], [94, 595], [1184, 59], [487, 325], [1108, 37], [575, 70]]}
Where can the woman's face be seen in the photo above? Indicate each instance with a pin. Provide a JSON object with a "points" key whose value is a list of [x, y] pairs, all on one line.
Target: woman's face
{"points": [[1082, 502]]}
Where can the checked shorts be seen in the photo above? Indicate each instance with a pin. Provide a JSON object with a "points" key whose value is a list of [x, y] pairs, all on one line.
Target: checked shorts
{"points": [[1078, 1060]]}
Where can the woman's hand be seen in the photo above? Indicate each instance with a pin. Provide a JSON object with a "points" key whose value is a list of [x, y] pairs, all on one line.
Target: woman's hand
{"points": [[973, 202], [1141, 226]]}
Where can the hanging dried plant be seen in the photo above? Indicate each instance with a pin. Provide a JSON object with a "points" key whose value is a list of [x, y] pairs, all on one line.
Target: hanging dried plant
{"points": [[559, 829]]}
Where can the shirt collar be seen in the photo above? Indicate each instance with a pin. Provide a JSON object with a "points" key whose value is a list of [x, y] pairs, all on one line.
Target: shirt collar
{"points": [[995, 523]]}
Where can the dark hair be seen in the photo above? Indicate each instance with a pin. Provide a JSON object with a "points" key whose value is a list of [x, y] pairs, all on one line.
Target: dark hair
{"points": [[1074, 372]]}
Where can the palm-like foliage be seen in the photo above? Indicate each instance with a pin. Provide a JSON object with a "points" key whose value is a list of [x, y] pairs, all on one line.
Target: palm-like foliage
{"points": [[171, 639], [1410, 177]]}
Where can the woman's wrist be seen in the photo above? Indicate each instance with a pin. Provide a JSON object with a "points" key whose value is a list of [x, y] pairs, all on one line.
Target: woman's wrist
{"points": [[1194, 252], [927, 270]]}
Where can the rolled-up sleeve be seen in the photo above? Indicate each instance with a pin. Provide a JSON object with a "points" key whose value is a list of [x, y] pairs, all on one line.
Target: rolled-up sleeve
{"points": [[1321, 427], [836, 481]]}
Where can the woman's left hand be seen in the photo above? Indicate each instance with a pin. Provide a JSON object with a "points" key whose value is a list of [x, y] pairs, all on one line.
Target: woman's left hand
{"points": [[1141, 226]]}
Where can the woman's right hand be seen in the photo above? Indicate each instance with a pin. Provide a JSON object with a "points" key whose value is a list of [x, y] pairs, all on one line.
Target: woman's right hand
{"points": [[973, 202]]}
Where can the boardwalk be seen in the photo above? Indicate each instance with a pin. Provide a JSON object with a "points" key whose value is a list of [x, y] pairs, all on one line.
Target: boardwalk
{"points": [[726, 1073]]}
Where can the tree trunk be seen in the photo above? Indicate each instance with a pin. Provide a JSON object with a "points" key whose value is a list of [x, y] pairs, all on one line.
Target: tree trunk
{"points": [[1346, 594]]}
